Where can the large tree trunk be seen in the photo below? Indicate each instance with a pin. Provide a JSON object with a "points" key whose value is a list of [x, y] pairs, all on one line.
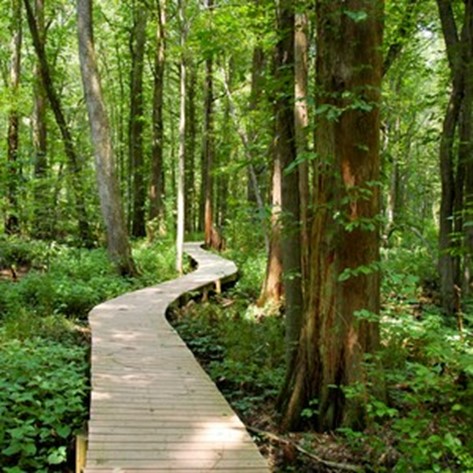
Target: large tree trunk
{"points": [[85, 232], [135, 143], [466, 141], [41, 222], [12, 221], [341, 319], [156, 193], [117, 238]]}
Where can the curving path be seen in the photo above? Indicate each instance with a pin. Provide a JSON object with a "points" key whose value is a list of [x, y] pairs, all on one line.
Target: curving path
{"points": [[153, 407]]}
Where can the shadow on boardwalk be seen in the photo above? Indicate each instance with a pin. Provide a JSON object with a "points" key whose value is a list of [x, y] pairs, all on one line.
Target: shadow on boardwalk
{"points": [[153, 407]]}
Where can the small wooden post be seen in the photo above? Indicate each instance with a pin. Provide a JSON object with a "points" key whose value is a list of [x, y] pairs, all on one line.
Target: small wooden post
{"points": [[81, 451], [218, 286]]}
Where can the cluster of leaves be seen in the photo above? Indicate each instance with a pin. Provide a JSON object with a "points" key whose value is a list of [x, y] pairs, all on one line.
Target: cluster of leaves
{"points": [[43, 392]]}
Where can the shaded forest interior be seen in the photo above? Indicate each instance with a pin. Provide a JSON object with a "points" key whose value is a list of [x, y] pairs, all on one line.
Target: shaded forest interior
{"points": [[325, 146]]}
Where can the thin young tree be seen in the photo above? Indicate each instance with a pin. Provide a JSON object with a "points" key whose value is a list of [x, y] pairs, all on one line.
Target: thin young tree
{"points": [[12, 221], [41, 223], [182, 142], [156, 192], [117, 238]]}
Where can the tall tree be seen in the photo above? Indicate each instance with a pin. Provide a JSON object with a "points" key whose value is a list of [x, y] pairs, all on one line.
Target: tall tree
{"points": [[41, 220], [182, 141], [75, 167], [208, 150], [136, 120], [340, 323], [117, 238], [457, 122], [301, 72], [191, 138], [12, 222], [285, 153], [157, 171]]}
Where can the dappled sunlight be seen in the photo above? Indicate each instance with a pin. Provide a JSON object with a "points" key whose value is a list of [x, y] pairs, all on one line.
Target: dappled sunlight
{"points": [[228, 431], [152, 405]]}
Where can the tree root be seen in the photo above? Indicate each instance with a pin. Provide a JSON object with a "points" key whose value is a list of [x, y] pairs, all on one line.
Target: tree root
{"points": [[312, 456]]}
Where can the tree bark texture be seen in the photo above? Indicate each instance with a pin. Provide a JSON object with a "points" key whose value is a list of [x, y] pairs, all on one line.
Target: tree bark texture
{"points": [[136, 120], [110, 202], [156, 192], [452, 171], [182, 144], [12, 221], [208, 150], [466, 153], [301, 114], [285, 153], [191, 139], [340, 323], [85, 232]]}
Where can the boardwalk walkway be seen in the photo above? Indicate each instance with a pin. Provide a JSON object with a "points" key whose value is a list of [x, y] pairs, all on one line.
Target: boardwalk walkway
{"points": [[153, 407]]}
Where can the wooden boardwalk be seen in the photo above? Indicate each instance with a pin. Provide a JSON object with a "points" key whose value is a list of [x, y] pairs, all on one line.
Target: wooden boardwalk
{"points": [[153, 407]]}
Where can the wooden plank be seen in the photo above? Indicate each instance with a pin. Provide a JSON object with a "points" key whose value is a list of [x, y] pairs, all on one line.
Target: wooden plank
{"points": [[176, 469], [153, 407]]}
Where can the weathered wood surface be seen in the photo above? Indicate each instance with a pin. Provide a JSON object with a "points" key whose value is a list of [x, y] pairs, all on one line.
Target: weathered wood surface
{"points": [[153, 407]]}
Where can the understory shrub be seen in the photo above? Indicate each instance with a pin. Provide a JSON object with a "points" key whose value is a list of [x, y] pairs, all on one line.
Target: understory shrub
{"points": [[43, 390], [43, 349]]}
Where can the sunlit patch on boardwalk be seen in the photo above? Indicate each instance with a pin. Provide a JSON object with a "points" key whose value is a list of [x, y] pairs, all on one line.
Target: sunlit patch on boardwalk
{"points": [[153, 408]]}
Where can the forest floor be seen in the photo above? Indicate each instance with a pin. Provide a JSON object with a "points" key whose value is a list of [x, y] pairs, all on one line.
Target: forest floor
{"points": [[424, 424]]}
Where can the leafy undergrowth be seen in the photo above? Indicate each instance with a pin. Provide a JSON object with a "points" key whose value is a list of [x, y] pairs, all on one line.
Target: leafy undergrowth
{"points": [[46, 291], [424, 424]]}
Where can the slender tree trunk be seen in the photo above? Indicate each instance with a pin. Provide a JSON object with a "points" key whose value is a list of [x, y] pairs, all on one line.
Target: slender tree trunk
{"points": [[451, 184], [301, 46], [341, 319], [12, 221], [41, 223], [138, 41], [285, 152], [255, 170], [191, 136], [69, 149], [112, 212], [182, 143], [157, 165], [208, 148], [272, 289]]}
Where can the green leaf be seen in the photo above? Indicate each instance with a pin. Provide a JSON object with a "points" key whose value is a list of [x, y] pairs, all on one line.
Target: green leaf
{"points": [[63, 431], [57, 456], [356, 16]]}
